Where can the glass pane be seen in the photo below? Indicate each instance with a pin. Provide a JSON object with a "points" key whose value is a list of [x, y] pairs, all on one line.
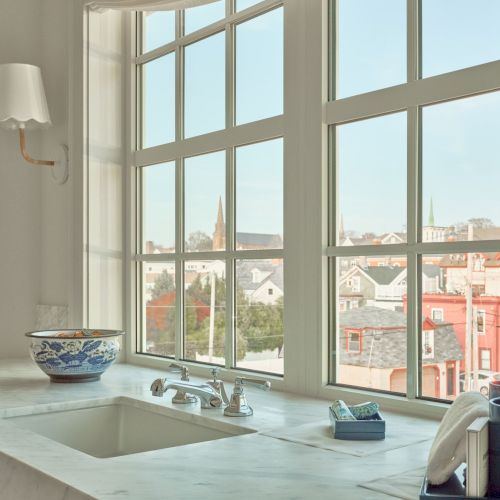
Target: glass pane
{"points": [[460, 300], [259, 195], [259, 315], [459, 33], [244, 4], [158, 115], [259, 67], [460, 169], [371, 334], [159, 298], [158, 29], [371, 51], [204, 101], [158, 208], [371, 157], [205, 311], [199, 17], [205, 190]]}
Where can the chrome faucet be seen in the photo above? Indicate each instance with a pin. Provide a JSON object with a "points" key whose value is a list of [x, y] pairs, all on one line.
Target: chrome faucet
{"points": [[238, 406], [218, 385], [181, 397], [209, 397]]}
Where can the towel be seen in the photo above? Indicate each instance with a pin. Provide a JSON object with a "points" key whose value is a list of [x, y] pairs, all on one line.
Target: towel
{"points": [[448, 449]]}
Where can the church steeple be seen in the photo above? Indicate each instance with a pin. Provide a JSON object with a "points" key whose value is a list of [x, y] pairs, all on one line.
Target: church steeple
{"points": [[430, 222], [219, 236], [341, 227]]}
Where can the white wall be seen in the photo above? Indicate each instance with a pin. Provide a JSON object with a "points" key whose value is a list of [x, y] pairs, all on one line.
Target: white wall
{"points": [[34, 212]]}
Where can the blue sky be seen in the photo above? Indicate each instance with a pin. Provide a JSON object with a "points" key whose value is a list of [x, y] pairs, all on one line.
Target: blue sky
{"points": [[259, 94], [461, 161], [460, 154]]}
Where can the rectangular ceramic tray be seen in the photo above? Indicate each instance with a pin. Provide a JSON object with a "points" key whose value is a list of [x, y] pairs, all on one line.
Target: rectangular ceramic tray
{"points": [[358, 430]]}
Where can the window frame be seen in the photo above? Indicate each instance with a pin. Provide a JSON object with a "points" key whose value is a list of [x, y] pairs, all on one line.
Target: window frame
{"points": [[481, 351], [309, 310], [348, 340], [411, 97], [227, 140]]}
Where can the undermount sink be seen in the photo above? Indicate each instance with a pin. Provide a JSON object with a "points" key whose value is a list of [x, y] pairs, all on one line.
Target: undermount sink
{"points": [[122, 426]]}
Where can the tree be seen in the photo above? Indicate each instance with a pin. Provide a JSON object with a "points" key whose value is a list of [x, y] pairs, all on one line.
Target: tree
{"points": [[198, 242], [261, 325], [477, 223], [163, 284]]}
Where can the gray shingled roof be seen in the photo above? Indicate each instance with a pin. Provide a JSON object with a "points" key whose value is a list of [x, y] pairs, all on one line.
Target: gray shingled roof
{"points": [[383, 275], [261, 239], [387, 347], [431, 270], [244, 273]]}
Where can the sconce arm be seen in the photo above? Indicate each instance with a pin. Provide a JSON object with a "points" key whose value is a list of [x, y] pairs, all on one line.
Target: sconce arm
{"points": [[26, 156]]}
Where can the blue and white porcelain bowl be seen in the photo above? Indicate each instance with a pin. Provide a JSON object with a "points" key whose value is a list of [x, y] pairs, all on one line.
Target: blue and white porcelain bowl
{"points": [[74, 355]]}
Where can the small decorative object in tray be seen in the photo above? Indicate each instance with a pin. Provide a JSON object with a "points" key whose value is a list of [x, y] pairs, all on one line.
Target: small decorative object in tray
{"points": [[367, 429]]}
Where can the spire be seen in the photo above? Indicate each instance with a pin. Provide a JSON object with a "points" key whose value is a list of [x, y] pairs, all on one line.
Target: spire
{"points": [[219, 236], [220, 213], [430, 222], [341, 227]]}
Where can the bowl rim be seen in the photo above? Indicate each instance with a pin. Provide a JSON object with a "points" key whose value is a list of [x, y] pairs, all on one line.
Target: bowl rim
{"points": [[50, 333]]}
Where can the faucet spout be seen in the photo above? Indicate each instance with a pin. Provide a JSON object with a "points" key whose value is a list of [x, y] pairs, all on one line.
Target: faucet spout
{"points": [[209, 397]]}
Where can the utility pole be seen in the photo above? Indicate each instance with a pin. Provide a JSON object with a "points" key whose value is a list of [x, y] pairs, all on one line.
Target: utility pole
{"points": [[475, 351], [468, 315]]}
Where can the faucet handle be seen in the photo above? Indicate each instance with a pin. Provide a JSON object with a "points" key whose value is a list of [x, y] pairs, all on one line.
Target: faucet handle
{"points": [[264, 385], [178, 368], [158, 387], [215, 372], [218, 385], [238, 406]]}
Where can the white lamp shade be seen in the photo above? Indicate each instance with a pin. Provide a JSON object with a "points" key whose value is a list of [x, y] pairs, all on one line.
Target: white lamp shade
{"points": [[22, 97]]}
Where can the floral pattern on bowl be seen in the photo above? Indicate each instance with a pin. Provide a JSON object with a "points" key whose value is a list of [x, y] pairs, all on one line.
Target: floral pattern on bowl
{"points": [[70, 357]]}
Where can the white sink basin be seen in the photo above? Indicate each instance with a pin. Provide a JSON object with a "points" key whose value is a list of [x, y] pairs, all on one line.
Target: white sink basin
{"points": [[122, 426]]}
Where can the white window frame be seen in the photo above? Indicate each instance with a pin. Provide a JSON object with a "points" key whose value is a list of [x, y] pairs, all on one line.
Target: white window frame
{"points": [[224, 140], [437, 309], [410, 97], [482, 313], [481, 352], [309, 316]]}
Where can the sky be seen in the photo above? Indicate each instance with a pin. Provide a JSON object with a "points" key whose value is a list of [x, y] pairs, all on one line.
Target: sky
{"points": [[460, 155], [460, 160], [259, 95]]}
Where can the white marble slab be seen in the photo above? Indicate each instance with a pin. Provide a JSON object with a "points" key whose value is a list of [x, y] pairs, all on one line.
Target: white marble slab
{"points": [[399, 433], [244, 467]]}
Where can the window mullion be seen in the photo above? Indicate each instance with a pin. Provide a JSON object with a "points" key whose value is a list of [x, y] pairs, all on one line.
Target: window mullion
{"points": [[413, 204], [179, 263], [230, 340]]}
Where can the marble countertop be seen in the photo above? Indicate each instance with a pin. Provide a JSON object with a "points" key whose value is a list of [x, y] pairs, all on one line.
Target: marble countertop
{"points": [[244, 467]]}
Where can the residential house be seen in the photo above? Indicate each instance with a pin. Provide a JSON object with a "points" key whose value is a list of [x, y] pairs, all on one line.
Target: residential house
{"points": [[373, 348]]}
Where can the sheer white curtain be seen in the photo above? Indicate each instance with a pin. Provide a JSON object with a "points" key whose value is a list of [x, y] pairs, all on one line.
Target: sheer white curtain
{"points": [[144, 4]]}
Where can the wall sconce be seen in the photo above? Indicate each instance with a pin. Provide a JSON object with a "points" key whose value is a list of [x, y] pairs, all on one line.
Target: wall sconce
{"points": [[23, 105]]}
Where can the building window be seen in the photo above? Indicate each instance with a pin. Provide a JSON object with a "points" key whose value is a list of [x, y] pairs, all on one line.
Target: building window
{"points": [[437, 314], [209, 177], [481, 322], [353, 342], [485, 359], [396, 129]]}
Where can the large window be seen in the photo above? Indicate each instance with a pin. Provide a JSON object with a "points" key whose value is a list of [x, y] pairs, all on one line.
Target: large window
{"points": [[209, 176], [415, 220]]}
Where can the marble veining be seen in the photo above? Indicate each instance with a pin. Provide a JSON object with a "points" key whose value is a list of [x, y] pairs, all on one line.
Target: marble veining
{"points": [[246, 467]]}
